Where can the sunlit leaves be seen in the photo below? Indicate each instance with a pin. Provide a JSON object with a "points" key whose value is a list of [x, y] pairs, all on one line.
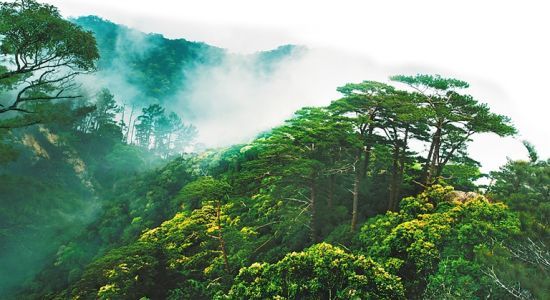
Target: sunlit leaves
{"points": [[434, 226], [321, 271]]}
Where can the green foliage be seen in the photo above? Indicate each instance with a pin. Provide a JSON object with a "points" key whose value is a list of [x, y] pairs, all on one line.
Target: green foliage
{"points": [[127, 272], [44, 54], [430, 231], [523, 185], [66, 178], [7, 151], [242, 222], [533, 155], [181, 258], [432, 81], [36, 216], [319, 272], [166, 134], [161, 68], [29, 27], [517, 266], [453, 118], [103, 113], [462, 176], [203, 189], [458, 278], [155, 62], [295, 160]]}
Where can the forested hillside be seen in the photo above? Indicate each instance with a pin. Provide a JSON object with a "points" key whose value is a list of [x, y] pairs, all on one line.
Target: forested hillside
{"points": [[374, 196], [149, 68]]}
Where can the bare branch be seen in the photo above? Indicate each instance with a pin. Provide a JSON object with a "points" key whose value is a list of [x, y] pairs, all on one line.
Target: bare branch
{"points": [[515, 290]]}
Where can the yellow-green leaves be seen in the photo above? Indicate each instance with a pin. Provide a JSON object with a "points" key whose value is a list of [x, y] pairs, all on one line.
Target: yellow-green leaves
{"points": [[321, 271], [432, 227]]}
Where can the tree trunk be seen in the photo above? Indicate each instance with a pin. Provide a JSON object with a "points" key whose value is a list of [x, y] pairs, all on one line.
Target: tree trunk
{"points": [[356, 182], [367, 151], [330, 198], [123, 122], [127, 135], [425, 168], [366, 162], [88, 124], [401, 170], [433, 156], [220, 238], [130, 139], [394, 179], [455, 147], [313, 209], [435, 159]]}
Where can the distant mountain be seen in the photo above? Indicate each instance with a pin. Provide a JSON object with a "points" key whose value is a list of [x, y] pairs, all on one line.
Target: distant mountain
{"points": [[156, 68]]}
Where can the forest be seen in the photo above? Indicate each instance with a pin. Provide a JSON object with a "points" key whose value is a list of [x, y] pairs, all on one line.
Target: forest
{"points": [[106, 195]]}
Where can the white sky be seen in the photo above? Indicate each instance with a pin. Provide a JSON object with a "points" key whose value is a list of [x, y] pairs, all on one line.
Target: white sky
{"points": [[501, 47]]}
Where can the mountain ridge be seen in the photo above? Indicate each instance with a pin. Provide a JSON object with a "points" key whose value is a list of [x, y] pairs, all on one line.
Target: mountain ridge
{"points": [[158, 68]]}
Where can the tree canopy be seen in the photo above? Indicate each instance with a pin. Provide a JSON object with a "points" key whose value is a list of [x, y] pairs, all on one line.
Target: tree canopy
{"points": [[373, 196], [40, 55]]}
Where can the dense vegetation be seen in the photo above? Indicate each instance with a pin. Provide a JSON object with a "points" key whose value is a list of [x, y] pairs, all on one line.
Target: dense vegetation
{"points": [[371, 197]]}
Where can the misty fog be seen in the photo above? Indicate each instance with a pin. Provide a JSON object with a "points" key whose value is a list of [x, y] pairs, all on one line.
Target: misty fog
{"points": [[232, 100]]}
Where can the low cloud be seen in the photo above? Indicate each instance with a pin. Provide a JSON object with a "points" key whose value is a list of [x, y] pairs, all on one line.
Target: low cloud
{"points": [[234, 101]]}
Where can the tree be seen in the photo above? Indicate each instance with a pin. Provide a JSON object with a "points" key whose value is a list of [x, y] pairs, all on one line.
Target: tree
{"points": [[453, 119], [376, 109], [320, 272], [104, 112], [360, 104], [127, 272], [181, 135], [297, 156], [173, 135], [148, 126], [203, 189], [525, 187], [164, 134], [40, 55], [533, 155], [400, 119], [106, 109], [435, 235]]}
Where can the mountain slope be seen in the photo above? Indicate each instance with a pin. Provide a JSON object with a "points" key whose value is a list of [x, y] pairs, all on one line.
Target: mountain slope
{"points": [[155, 68]]}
